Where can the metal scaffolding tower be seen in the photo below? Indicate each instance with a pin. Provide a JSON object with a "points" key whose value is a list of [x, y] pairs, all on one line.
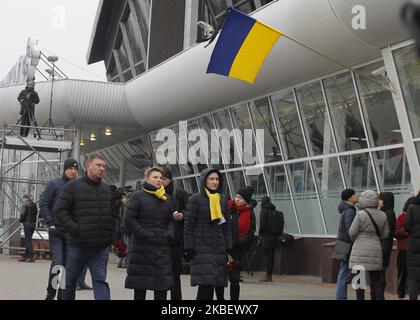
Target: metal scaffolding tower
{"points": [[26, 166]]}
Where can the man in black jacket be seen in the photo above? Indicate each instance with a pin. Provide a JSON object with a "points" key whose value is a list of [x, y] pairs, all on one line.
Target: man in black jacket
{"points": [[179, 201], [56, 234], [348, 212], [28, 218], [84, 211]]}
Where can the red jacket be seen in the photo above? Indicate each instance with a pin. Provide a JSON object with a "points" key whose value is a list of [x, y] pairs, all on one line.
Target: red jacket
{"points": [[400, 234]]}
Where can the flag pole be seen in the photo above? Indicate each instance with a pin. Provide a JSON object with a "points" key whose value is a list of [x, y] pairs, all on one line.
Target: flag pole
{"points": [[389, 88]]}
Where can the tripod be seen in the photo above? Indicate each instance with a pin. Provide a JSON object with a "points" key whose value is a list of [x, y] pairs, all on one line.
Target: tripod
{"points": [[26, 119]]}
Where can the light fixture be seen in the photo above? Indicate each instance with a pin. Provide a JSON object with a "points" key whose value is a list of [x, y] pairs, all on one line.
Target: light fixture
{"points": [[108, 132], [82, 142], [93, 137]]}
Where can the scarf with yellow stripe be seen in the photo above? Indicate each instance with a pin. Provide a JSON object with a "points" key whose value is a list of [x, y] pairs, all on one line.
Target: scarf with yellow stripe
{"points": [[159, 193], [215, 207]]}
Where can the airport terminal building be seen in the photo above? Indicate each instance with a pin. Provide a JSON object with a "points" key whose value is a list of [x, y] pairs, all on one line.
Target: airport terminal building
{"points": [[326, 128]]}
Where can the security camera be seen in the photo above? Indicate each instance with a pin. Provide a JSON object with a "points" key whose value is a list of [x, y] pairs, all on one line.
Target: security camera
{"points": [[207, 28]]}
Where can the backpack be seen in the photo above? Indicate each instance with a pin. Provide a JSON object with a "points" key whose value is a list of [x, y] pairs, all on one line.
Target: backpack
{"points": [[276, 222]]}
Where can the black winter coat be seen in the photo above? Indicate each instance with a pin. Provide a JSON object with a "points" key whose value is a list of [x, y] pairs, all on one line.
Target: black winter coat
{"points": [[83, 209], [150, 223], [29, 213], [348, 212], [388, 208], [268, 239], [179, 203], [209, 240], [412, 226], [241, 244]]}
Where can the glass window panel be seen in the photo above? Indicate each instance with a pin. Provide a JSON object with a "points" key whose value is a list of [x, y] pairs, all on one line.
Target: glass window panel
{"points": [[186, 168], [345, 112], [200, 156], [143, 14], [280, 196], [226, 190], [206, 124], [263, 120], [191, 185], [112, 70], [264, 2], [172, 148], [139, 69], [408, 67], [237, 181], [291, 136], [131, 33], [257, 181], [305, 198], [394, 175], [246, 6], [330, 186], [315, 119], [127, 75], [122, 53], [222, 120], [358, 172], [377, 101]]}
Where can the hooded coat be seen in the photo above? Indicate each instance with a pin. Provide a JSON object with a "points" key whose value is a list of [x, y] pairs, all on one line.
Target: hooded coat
{"points": [[367, 249], [412, 226], [150, 223], [388, 208], [268, 239], [348, 212], [209, 240]]}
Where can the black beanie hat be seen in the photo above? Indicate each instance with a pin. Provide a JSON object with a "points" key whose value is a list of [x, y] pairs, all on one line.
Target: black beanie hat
{"points": [[246, 193], [167, 173], [347, 194], [70, 163]]}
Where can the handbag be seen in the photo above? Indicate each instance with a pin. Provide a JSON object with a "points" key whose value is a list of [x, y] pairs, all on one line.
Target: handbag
{"points": [[383, 246], [342, 248]]}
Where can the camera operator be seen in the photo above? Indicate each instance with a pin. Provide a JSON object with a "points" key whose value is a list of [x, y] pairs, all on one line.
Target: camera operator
{"points": [[28, 98]]}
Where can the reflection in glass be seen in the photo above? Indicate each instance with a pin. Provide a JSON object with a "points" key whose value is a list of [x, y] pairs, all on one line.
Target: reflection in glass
{"points": [[376, 102], [214, 158], [358, 172], [291, 136], [191, 185], [394, 175], [408, 68], [315, 119], [330, 186], [305, 198], [280, 196], [345, 113], [263, 120], [172, 147], [237, 181]]}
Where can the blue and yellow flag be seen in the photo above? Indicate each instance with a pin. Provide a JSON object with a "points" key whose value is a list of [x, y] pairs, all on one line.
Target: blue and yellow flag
{"points": [[242, 47]]}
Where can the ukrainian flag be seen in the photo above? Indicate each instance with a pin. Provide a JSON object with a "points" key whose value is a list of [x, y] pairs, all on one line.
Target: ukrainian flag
{"points": [[242, 47]]}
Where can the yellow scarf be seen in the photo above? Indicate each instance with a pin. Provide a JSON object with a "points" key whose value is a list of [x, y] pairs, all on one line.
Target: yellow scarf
{"points": [[160, 193], [215, 208]]}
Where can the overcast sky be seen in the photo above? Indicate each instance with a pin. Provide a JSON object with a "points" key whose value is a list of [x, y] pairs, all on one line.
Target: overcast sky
{"points": [[63, 27]]}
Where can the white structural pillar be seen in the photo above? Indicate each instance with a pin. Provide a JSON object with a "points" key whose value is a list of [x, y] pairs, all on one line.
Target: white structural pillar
{"points": [[76, 150], [191, 19], [123, 173]]}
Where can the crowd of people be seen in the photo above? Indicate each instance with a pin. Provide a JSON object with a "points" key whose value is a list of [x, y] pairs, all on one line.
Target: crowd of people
{"points": [[156, 229]]}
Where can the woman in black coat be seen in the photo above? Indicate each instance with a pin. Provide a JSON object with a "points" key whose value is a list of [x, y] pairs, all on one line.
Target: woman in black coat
{"points": [[386, 204], [150, 221], [243, 230], [207, 235], [412, 226]]}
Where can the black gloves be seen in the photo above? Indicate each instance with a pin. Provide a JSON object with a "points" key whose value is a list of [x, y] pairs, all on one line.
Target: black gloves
{"points": [[189, 255]]}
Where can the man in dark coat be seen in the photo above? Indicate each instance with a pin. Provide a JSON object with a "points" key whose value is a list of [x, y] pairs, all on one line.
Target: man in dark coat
{"points": [[28, 218], [83, 209], [179, 203], [347, 210], [150, 221], [207, 235], [56, 234], [412, 226], [28, 98], [269, 240]]}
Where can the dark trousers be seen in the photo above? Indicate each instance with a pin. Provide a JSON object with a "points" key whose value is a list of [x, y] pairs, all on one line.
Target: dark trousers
{"points": [[57, 242], [402, 274], [377, 286], [206, 293], [158, 295], [413, 288], [28, 229], [96, 259], [176, 259], [269, 256]]}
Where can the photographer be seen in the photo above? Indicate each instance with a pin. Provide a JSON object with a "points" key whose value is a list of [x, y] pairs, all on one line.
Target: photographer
{"points": [[28, 98]]}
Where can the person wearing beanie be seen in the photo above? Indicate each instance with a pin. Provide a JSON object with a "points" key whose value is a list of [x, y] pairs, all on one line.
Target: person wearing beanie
{"points": [[367, 250], [347, 209], [179, 199], [207, 236], [243, 227], [57, 236]]}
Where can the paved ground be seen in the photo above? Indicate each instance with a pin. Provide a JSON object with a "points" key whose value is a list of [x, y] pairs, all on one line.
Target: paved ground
{"points": [[27, 281]]}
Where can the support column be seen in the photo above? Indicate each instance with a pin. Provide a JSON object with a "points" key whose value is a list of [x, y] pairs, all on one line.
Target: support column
{"points": [[191, 19], [76, 150], [123, 174]]}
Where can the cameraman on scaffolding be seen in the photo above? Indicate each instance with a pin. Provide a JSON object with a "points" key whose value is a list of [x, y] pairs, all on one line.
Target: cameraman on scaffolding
{"points": [[28, 98]]}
